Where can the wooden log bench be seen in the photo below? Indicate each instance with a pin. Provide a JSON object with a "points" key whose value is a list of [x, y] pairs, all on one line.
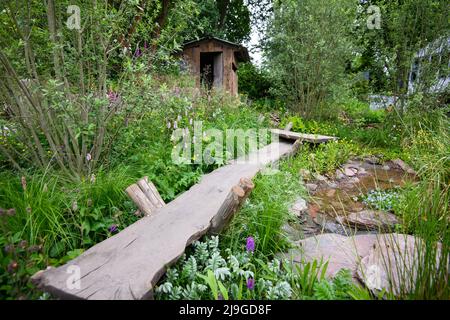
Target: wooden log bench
{"points": [[129, 264]]}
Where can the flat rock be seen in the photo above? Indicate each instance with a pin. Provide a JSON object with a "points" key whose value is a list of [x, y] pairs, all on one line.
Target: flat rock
{"points": [[405, 167], [340, 251], [372, 160], [340, 175], [332, 185], [320, 177], [372, 220], [299, 207], [313, 209], [350, 172], [329, 225], [354, 180], [362, 171], [392, 263], [382, 262], [291, 233], [331, 193]]}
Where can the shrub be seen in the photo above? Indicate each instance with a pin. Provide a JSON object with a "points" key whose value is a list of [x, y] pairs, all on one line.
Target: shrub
{"points": [[253, 81]]}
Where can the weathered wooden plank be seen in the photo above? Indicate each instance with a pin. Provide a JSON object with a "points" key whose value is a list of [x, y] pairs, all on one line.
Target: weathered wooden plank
{"points": [[129, 264], [311, 138]]}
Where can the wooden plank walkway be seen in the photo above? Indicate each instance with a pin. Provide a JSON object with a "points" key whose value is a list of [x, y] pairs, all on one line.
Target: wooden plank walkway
{"points": [[311, 138], [129, 264]]}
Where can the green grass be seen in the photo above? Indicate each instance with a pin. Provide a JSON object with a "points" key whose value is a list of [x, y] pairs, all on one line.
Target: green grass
{"points": [[426, 213], [266, 210]]}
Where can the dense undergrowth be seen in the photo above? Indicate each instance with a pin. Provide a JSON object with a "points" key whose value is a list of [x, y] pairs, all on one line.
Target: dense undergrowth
{"points": [[422, 207], [48, 219]]}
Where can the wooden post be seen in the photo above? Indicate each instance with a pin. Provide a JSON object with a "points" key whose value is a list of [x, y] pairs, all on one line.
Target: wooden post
{"points": [[231, 205], [289, 126], [140, 199], [145, 196]]}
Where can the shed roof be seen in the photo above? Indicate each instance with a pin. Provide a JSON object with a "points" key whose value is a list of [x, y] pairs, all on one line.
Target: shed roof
{"points": [[240, 51]]}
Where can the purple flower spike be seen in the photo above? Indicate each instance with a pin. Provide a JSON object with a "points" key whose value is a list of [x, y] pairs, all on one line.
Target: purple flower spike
{"points": [[250, 283], [250, 244], [112, 228], [138, 53]]}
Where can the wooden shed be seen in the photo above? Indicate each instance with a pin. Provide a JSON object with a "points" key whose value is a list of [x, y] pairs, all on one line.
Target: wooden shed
{"points": [[214, 62]]}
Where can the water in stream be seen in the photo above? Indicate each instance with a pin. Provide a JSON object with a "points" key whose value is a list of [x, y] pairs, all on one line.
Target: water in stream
{"points": [[333, 198]]}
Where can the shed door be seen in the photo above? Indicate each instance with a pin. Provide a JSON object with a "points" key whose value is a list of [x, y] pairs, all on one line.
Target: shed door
{"points": [[211, 69], [218, 70]]}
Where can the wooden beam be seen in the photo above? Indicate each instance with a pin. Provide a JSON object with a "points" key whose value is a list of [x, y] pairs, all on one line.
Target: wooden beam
{"points": [[311, 138], [129, 264]]}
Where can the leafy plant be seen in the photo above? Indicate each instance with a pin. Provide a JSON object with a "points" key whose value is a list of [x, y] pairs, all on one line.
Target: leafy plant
{"points": [[384, 200], [205, 274]]}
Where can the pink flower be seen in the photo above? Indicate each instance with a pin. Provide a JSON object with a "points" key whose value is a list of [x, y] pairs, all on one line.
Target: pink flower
{"points": [[112, 96]]}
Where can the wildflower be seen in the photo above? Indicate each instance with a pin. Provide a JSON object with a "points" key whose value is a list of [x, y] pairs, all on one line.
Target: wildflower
{"points": [[250, 244], [145, 45], [23, 244], [12, 266], [112, 96], [9, 248], [168, 125], [34, 248], [137, 53], [175, 125], [24, 183], [75, 206], [250, 283], [11, 212], [92, 178], [88, 157], [113, 228], [179, 118]]}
